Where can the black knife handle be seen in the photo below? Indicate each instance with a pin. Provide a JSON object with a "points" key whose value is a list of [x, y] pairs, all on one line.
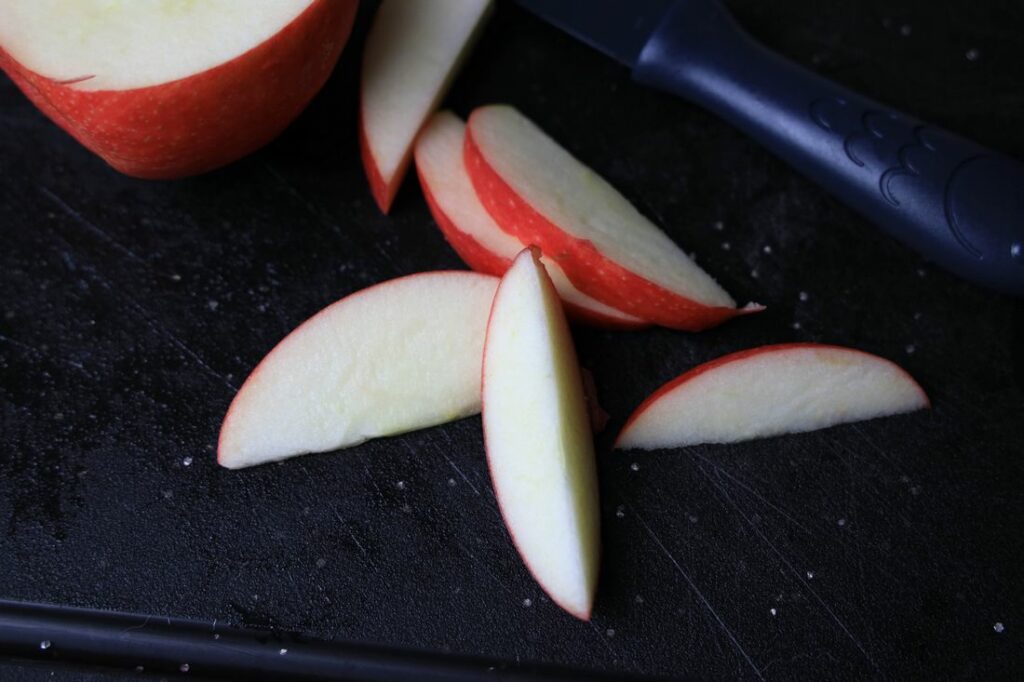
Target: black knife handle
{"points": [[959, 204]]}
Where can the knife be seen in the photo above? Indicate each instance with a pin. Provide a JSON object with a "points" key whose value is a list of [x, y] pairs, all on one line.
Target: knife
{"points": [[956, 202]]}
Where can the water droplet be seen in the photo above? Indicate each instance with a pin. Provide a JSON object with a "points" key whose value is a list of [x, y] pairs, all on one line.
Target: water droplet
{"points": [[321, 562], [611, 632], [810, 575], [634, 466], [216, 635], [719, 225], [772, 611], [841, 522], [44, 645], [212, 305], [140, 669], [451, 482], [175, 277], [796, 325], [973, 54], [998, 627], [58, 416], [803, 296], [1016, 250], [621, 511], [184, 667], [915, 490], [527, 603], [753, 274], [167, 494], [726, 246], [283, 652], [400, 485], [691, 518], [767, 248], [906, 30], [639, 599], [187, 461], [910, 349]]}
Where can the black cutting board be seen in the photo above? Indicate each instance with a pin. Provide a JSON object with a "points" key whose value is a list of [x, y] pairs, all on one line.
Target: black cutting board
{"points": [[132, 310]]}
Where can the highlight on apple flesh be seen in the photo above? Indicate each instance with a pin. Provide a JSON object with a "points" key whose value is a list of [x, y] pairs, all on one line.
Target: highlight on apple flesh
{"points": [[168, 89], [537, 435], [398, 356], [769, 391], [473, 233], [538, 192], [413, 51]]}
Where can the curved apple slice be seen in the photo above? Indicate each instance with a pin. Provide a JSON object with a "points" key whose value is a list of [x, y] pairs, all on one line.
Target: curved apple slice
{"points": [[412, 53], [473, 233], [537, 434], [401, 355], [535, 190], [167, 89], [768, 391]]}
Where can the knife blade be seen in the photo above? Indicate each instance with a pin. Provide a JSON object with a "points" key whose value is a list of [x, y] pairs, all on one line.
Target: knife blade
{"points": [[952, 200]]}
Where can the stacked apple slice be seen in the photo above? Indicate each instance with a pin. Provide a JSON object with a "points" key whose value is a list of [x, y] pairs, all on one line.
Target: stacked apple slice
{"points": [[412, 53]]}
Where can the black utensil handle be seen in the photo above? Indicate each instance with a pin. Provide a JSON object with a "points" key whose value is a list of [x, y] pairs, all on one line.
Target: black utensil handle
{"points": [[954, 201], [159, 644]]}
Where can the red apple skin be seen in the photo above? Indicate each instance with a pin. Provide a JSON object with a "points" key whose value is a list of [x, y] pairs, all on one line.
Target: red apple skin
{"points": [[207, 120], [580, 614], [741, 355], [483, 260], [592, 272]]}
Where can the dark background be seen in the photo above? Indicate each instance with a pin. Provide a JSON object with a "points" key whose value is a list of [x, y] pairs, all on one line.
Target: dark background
{"points": [[132, 310]]}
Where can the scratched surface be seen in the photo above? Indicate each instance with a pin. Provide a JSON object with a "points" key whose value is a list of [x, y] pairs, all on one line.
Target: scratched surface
{"points": [[132, 310]]}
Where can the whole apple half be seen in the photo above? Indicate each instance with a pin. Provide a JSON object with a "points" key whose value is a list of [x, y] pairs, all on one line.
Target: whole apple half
{"points": [[170, 89], [401, 355], [538, 192], [413, 51], [472, 232], [537, 435], [768, 391]]}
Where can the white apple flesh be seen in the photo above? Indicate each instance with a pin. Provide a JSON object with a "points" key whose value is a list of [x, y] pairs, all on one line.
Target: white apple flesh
{"points": [[470, 229], [537, 435], [768, 391], [412, 53], [398, 356]]}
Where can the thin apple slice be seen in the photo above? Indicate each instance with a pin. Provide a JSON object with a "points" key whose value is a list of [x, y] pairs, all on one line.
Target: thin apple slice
{"points": [[411, 56], [537, 434], [163, 89], [401, 355], [535, 190], [768, 391], [473, 233]]}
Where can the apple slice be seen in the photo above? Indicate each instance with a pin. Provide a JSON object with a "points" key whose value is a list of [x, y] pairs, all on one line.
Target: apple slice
{"points": [[473, 233], [168, 89], [539, 193], [771, 390], [537, 434], [398, 356], [411, 56]]}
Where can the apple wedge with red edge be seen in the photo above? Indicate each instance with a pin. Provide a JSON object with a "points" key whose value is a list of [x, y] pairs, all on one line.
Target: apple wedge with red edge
{"points": [[169, 89], [401, 355], [538, 192], [769, 391], [473, 233], [537, 436], [413, 51]]}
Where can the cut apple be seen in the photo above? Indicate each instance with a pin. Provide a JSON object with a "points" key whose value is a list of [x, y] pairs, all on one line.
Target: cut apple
{"points": [[537, 434], [398, 356], [473, 233], [411, 56], [771, 390], [167, 89], [539, 193]]}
